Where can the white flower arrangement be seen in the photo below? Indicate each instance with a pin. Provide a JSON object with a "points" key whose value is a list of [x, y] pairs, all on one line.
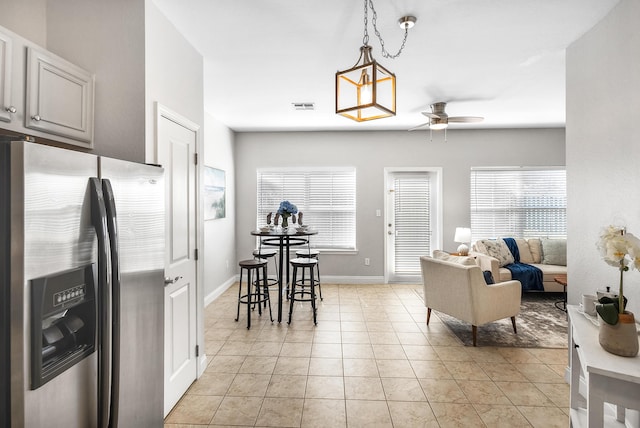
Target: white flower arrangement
{"points": [[621, 250]]}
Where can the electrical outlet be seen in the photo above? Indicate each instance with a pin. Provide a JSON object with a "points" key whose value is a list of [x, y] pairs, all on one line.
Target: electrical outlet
{"points": [[367, 261], [227, 264], [378, 213]]}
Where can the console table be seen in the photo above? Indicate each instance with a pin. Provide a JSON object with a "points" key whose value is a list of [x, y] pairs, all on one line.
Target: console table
{"points": [[609, 378]]}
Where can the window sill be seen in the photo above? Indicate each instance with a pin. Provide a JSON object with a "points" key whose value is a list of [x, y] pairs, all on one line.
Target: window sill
{"points": [[335, 251]]}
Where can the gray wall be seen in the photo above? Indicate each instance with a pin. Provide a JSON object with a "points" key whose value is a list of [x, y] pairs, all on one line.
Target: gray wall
{"points": [[174, 74], [370, 153], [219, 234], [603, 151], [107, 38], [27, 18]]}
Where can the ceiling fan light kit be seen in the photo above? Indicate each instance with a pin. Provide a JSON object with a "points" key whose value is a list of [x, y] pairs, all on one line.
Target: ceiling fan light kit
{"points": [[367, 91], [439, 119], [438, 124]]}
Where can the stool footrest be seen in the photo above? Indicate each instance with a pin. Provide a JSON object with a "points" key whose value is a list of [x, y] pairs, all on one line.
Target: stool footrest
{"points": [[255, 298]]}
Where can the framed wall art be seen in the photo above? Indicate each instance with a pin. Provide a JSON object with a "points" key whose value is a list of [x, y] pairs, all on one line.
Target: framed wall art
{"points": [[214, 193]]}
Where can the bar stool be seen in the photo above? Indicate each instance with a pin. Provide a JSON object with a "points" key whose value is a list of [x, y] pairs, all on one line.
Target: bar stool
{"points": [[268, 253], [306, 288], [312, 254], [259, 294]]}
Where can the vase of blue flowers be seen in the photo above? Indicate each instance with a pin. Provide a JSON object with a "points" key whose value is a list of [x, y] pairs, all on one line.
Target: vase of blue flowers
{"points": [[286, 210]]}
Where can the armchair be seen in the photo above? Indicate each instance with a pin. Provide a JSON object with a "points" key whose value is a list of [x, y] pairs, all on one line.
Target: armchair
{"points": [[456, 286]]}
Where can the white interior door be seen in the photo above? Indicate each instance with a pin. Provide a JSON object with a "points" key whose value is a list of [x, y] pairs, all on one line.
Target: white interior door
{"points": [[176, 153], [412, 221]]}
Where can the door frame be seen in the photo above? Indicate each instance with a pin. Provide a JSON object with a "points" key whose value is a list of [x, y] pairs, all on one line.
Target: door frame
{"points": [[436, 239], [162, 111]]}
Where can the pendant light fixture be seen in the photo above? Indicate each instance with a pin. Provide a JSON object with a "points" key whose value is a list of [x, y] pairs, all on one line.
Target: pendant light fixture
{"points": [[367, 91]]}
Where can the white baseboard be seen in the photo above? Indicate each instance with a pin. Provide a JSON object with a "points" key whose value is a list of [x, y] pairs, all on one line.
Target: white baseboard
{"points": [[202, 364], [331, 279], [219, 290]]}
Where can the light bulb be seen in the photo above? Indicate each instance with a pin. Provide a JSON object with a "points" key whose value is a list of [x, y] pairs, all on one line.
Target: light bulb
{"points": [[365, 83]]}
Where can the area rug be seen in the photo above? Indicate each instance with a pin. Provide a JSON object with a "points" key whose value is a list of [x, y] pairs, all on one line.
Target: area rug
{"points": [[540, 324]]}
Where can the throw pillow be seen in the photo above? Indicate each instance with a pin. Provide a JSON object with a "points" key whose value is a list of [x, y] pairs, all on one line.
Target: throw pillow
{"points": [[525, 252], [488, 277], [479, 247], [554, 251], [535, 246], [440, 255], [463, 260], [498, 249]]}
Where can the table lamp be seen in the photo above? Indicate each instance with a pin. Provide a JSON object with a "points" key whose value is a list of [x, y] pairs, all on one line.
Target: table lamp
{"points": [[463, 236]]}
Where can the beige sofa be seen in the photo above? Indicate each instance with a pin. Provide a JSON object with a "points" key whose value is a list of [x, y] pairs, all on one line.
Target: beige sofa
{"points": [[551, 262], [456, 286]]}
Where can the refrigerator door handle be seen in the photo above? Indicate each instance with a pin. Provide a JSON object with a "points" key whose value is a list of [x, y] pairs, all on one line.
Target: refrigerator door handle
{"points": [[99, 221], [112, 228]]}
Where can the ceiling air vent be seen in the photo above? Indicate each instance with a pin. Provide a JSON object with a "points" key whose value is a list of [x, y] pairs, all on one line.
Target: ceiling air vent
{"points": [[303, 106]]}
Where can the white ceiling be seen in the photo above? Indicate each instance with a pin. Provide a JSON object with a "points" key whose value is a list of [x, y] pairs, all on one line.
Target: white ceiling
{"points": [[501, 59]]}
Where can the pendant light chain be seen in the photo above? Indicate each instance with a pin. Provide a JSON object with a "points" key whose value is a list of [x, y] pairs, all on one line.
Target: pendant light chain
{"points": [[365, 39]]}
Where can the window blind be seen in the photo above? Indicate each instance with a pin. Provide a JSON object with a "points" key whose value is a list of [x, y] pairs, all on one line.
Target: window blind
{"points": [[412, 202], [327, 197], [518, 202]]}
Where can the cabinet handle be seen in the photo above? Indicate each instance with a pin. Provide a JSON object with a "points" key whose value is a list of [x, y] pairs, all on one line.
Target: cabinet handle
{"points": [[11, 109], [37, 118]]}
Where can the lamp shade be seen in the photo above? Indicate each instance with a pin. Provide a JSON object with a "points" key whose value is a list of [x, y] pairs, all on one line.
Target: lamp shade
{"points": [[463, 235]]}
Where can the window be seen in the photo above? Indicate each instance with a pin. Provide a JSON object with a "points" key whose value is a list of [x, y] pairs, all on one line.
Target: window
{"points": [[520, 202], [326, 196]]}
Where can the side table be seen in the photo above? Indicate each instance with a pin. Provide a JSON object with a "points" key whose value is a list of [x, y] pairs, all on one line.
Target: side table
{"points": [[609, 378], [562, 280]]}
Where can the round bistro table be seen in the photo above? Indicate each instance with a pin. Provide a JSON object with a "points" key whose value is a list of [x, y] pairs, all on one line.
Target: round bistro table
{"points": [[283, 239]]}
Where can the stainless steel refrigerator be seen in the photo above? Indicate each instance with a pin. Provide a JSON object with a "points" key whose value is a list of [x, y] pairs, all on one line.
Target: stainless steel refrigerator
{"points": [[81, 289]]}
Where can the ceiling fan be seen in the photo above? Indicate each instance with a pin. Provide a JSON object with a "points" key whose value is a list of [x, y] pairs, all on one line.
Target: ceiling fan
{"points": [[438, 119]]}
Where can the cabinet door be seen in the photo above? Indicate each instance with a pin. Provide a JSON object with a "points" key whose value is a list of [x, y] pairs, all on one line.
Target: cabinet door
{"points": [[59, 97], [6, 108]]}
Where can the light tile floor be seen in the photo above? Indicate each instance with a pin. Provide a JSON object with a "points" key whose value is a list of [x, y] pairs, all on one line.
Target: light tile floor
{"points": [[370, 362]]}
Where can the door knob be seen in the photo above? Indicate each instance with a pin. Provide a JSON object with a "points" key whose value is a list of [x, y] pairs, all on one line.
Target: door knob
{"points": [[11, 109], [168, 280], [37, 118]]}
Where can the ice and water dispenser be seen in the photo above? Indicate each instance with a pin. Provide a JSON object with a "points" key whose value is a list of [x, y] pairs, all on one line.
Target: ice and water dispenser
{"points": [[63, 322]]}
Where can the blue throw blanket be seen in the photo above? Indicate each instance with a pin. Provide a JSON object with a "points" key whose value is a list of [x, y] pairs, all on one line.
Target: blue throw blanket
{"points": [[529, 276]]}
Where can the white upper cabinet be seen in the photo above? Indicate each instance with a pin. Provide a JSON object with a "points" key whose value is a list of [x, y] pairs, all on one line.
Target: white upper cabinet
{"points": [[59, 97], [43, 95], [6, 107]]}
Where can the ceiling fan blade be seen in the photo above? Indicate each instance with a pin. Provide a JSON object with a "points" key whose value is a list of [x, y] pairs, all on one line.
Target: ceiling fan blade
{"points": [[431, 115], [418, 127], [466, 119]]}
